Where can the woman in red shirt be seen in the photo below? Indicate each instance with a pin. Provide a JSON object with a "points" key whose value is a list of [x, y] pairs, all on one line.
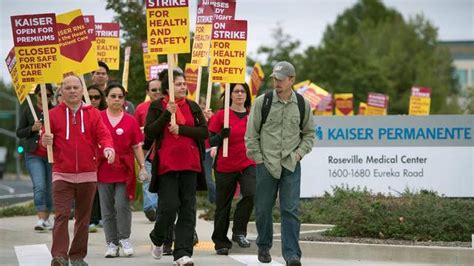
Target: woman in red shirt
{"points": [[117, 181], [236, 167], [177, 169]]}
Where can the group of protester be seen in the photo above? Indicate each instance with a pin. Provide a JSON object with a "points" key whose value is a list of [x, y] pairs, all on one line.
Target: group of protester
{"points": [[95, 148]]}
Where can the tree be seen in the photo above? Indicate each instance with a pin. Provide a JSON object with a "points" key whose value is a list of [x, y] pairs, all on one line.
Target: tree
{"points": [[284, 49], [8, 123], [370, 48], [469, 104]]}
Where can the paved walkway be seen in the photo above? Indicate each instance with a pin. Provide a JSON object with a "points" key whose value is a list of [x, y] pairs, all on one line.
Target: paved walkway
{"points": [[21, 245]]}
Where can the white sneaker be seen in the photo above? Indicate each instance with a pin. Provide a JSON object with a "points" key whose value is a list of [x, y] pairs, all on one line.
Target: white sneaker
{"points": [[47, 224], [112, 251], [184, 260], [40, 225], [126, 246], [156, 251]]}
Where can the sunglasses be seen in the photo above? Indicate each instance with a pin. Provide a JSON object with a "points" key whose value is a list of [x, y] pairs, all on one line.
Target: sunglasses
{"points": [[154, 90], [47, 95], [239, 92], [114, 96], [94, 97]]}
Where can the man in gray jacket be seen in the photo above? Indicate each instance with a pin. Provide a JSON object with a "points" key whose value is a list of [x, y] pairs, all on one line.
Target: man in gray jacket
{"points": [[277, 143]]}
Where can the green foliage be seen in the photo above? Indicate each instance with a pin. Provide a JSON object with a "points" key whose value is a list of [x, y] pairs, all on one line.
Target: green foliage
{"points": [[284, 49], [356, 212], [422, 216], [18, 210], [371, 48], [7, 105], [469, 105]]}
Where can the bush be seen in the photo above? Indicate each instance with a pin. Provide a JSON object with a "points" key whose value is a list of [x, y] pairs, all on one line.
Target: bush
{"points": [[18, 210], [355, 212]]}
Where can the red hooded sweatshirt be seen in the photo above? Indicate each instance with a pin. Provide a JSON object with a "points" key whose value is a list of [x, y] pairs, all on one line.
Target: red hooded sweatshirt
{"points": [[77, 137]]}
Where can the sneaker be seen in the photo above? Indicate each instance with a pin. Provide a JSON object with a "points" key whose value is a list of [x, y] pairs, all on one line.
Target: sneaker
{"points": [[293, 261], [126, 246], [241, 241], [156, 251], [47, 224], [167, 249], [92, 228], [264, 256], [150, 214], [79, 262], [59, 261], [222, 251], [184, 260], [40, 225], [112, 251], [100, 224], [195, 238]]}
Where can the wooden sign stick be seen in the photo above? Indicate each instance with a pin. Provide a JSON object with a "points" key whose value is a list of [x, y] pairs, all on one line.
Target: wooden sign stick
{"points": [[47, 127]]}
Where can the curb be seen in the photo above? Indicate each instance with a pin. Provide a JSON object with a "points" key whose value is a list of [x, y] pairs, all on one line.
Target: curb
{"points": [[364, 252]]}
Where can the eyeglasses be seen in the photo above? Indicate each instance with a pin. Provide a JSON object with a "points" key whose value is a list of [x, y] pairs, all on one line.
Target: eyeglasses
{"points": [[94, 97], [114, 96], [154, 90], [239, 92]]}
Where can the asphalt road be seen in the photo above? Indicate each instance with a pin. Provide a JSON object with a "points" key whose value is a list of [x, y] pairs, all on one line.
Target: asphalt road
{"points": [[15, 191]]}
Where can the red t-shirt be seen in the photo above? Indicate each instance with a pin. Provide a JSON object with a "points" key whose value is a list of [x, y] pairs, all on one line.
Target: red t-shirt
{"points": [[126, 134], [179, 153], [236, 160], [141, 112]]}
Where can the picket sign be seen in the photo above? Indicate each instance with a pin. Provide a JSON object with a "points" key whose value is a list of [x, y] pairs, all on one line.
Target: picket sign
{"points": [[47, 126], [198, 85], [32, 109], [171, 62], [209, 91], [85, 92], [226, 118]]}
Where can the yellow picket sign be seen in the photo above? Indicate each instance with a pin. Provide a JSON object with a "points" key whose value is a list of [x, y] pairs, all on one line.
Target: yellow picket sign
{"points": [[148, 60], [21, 90], [419, 105], [229, 51], [344, 104], [78, 55], [108, 44], [191, 72], [36, 48], [167, 27]]}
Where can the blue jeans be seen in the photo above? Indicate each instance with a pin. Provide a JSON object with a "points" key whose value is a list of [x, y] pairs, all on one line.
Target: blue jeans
{"points": [[265, 196], [211, 187], [150, 200], [40, 172]]}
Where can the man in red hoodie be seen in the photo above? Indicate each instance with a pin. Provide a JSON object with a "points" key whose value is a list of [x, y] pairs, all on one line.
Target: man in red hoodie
{"points": [[77, 134]]}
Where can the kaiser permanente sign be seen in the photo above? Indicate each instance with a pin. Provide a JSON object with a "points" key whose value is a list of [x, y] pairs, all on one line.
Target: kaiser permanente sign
{"points": [[389, 154]]}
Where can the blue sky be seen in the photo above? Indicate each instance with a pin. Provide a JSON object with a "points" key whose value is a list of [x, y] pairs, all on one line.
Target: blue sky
{"points": [[304, 20]]}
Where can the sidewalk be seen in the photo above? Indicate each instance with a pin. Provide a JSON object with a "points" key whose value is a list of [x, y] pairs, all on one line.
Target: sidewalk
{"points": [[17, 232]]}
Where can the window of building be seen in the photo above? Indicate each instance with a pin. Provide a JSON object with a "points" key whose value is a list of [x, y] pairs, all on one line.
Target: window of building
{"points": [[472, 77], [461, 75]]}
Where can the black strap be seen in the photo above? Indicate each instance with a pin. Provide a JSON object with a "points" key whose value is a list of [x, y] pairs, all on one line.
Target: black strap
{"points": [[267, 104], [301, 104]]}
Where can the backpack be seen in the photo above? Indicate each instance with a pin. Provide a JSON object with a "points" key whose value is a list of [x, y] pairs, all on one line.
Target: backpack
{"points": [[267, 104]]}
